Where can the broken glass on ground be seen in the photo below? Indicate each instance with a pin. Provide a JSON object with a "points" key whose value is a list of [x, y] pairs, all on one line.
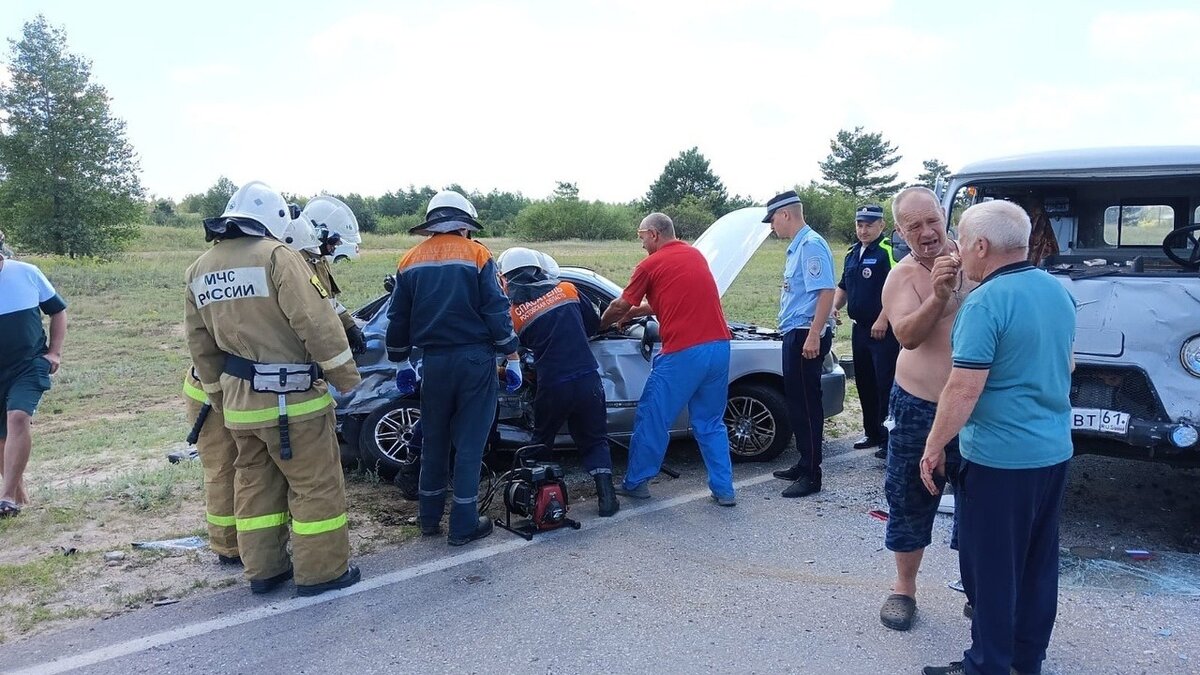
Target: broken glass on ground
{"points": [[182, 544], [1165, 572]]}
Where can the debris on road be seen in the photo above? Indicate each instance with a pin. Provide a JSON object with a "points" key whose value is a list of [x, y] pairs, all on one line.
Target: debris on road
{"points": [[183, 544]]}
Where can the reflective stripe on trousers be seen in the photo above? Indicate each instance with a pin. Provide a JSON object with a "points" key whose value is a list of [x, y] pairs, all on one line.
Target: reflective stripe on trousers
{"points": [[271, 414]]}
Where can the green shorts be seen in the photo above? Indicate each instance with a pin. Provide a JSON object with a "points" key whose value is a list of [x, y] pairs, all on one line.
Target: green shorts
{"points": [[21, 388]]}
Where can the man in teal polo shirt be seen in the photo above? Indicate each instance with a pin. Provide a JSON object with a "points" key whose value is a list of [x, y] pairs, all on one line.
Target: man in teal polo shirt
{"points": [[1009, 394], [26, 362]]}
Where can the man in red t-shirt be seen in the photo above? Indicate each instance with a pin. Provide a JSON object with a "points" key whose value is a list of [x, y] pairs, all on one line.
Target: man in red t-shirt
{"points": [[676, 283]]}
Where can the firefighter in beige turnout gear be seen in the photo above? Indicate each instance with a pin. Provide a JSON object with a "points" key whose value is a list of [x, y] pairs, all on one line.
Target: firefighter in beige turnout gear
{"points": [[217, 453], [315, 234], [262, 335]]}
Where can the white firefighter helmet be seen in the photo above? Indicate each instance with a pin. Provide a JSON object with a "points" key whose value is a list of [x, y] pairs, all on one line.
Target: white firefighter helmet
{"points": [[449, 199], [301, 235], [448, 211], [334, 215], [519, 256], [258, 202]]}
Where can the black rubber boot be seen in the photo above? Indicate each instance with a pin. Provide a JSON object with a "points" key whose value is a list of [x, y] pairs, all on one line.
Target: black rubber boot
{"points": [[406, 480], [482, 529], [606, 496], [260, 586], [351, 576]]}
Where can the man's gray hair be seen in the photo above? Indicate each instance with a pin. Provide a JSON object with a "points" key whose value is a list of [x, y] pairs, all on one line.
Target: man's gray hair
{"points": [[1003, 224], [661, 223], [909, 192]]}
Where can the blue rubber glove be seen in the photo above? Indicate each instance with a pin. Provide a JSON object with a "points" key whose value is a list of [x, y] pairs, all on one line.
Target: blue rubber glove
{"points": [[512, 375], [406, 379]]}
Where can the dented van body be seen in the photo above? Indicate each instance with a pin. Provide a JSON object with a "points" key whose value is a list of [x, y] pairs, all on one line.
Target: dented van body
{"points": [[1123, 221]]}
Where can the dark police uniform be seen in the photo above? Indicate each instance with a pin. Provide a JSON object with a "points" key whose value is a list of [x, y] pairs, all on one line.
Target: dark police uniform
{"points": [[863, 274]]}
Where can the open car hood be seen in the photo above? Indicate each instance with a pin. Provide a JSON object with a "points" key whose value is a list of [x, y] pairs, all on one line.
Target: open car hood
{"points": [[729, 243]]}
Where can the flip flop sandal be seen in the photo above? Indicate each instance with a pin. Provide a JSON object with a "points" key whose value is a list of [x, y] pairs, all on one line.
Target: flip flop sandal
{"points": [[897, 612], [9, 509]]}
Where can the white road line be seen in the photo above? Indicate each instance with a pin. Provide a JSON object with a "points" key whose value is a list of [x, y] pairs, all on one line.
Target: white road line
{"points": [[247, 616]]}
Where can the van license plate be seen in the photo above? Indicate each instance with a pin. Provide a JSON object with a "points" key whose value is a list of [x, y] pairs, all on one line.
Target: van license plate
{"points": [[1104, 421]]}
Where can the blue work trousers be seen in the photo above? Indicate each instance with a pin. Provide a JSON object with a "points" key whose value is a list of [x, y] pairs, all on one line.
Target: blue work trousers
{"points": [[696, 377], [1008, 557], [458, 404], [579, 403]]}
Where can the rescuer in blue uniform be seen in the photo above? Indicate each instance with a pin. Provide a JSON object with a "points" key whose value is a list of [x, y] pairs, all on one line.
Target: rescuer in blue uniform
{"points": [[447, 301], [553, 320], [874, 346]]}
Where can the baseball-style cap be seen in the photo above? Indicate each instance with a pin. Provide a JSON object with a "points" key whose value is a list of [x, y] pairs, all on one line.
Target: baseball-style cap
{"points": [[779, 201], [869, 213]]}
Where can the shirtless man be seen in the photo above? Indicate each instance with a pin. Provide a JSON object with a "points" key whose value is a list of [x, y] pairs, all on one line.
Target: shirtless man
{"points": [[920, 298]]}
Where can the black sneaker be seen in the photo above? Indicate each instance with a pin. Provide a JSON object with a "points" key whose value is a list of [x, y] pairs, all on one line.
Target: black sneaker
{"points": [[802, 488], [955, 668], [229, 560], [352, 576], [881, 453], [482, 529], [865, 442], [260, 586]]}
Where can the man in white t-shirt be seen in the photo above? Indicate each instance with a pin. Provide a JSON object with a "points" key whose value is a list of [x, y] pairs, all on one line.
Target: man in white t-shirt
{"points": [[26, 362]]}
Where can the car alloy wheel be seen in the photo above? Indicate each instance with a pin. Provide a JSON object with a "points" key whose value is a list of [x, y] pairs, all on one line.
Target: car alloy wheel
{"points": [[751, 426], [756, 418], [385, 441]]}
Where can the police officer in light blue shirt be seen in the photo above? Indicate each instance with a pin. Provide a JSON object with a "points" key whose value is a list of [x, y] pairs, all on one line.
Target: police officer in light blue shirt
{"points": [[804, 308]]}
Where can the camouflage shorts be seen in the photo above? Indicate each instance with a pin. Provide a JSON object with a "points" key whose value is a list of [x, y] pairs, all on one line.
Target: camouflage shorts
{"points": [[911, 509]]}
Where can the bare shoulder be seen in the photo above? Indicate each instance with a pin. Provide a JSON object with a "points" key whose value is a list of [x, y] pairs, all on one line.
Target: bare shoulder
{"points": [[903, 274], [901, 295]]}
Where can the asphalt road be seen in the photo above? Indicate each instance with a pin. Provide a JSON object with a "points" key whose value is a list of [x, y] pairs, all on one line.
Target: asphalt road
{"points": [[678, 584]]}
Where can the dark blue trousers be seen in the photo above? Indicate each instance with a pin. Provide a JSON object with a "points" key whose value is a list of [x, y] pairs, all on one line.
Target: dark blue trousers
{"points": [[457, 411], [580, 404], [874, 372], [802, 389], [1008, 556]]}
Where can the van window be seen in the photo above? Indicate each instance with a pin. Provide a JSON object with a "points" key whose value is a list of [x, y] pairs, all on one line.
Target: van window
{"points": [[1145, 225]]}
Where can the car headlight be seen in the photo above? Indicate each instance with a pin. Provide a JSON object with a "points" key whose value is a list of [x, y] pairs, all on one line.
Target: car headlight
{"points": [[1184, 436], [1190, 355]]}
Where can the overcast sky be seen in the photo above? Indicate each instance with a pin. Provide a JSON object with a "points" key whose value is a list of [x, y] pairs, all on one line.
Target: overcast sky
{"points": [[361, 96]]}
